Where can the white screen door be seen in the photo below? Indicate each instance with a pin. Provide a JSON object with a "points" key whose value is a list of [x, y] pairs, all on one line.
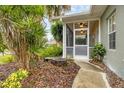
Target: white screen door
{"points": [[81, 43]]}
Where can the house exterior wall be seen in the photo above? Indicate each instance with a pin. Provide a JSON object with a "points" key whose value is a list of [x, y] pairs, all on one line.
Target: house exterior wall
{"points": [[114, 59]]}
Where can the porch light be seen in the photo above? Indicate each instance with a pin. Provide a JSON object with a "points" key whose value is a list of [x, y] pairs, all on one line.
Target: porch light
{"points": [[81, 25], [82, 32]]}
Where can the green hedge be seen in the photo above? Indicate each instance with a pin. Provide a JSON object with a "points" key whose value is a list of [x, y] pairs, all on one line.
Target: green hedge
{"points": [[50, 51]]}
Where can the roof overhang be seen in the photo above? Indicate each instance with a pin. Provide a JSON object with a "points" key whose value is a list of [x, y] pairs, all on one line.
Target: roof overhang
{"points": [[96, 11]]}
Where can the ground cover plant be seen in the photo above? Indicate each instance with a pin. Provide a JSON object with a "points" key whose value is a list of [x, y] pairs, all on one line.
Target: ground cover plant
{"points": [[14, 80]]}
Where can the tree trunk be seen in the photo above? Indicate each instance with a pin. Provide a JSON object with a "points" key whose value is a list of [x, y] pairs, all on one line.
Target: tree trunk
{"points": [[16, 41], [23, 62], [3, 53]]}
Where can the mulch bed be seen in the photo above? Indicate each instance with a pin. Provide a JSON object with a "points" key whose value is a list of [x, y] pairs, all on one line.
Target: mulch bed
{"points": [[114, 80], [45, 74], [7, 69]]}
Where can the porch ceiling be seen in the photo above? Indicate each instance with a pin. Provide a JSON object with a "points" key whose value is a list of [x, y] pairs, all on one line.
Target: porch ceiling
{"points": [[95, 12]]}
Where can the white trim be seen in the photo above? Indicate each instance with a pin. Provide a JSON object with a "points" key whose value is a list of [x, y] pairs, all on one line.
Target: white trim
{"points": [[110, 32], [92, 19], [64, 40], [71, 15], [88, 39], [73, 41], [81, 45], [99, 31], [69, 46]]}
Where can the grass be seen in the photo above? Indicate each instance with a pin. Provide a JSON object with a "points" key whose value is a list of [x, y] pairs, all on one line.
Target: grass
{"points": [[6, 59]]}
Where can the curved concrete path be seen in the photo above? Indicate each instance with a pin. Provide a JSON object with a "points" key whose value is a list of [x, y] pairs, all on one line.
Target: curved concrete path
{"points": [[90, 76]]}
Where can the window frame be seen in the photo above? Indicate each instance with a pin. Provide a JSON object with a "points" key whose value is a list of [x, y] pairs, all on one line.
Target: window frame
{"points": [[111, 32]]}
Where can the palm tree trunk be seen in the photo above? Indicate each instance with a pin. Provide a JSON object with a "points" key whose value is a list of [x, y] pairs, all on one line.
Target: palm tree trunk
{"points": [[16, 41]]}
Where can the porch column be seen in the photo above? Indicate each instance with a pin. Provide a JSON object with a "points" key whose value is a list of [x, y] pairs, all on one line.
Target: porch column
{"points": [[99, 31], [64, 40]]}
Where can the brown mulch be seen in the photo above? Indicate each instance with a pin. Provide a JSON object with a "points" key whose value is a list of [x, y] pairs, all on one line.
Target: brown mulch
{"points": [[114, 80], [45, 74], [7, 69]]}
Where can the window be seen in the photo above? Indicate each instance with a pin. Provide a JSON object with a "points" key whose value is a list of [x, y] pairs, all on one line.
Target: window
{"points": [[112, 32], [81, 37]]}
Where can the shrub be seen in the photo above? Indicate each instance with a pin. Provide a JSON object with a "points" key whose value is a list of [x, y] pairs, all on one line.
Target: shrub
{"points": [[6, 59], [14, 80], [56, 30], [50, 51], [99, 52]]}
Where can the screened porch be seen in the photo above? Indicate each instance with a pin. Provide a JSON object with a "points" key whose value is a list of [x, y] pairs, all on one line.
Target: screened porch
{"points": [[80, 38]]}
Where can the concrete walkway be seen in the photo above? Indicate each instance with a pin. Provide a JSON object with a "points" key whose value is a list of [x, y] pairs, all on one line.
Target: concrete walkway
{"points": [[90, 76]]}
